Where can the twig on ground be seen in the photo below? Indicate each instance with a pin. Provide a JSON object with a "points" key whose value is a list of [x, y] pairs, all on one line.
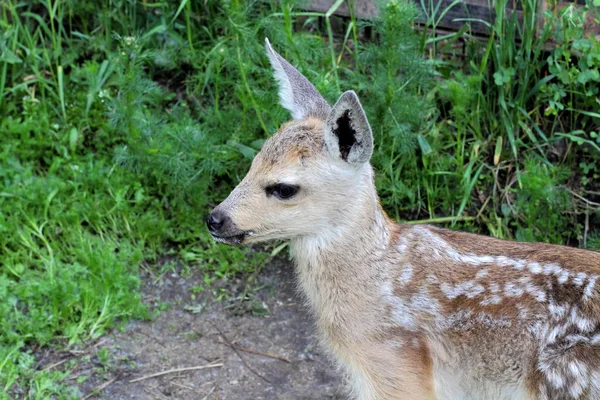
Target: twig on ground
{"points": [[485, 203], [260, 353], [184, 387], [56, 364], [586, 201], [228, 343], [100, 342], [174, 370], [155, 393], [96, 391], [209, 393]]}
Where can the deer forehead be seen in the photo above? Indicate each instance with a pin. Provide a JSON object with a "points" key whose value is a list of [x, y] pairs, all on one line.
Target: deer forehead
{"points": [[295, 140]]}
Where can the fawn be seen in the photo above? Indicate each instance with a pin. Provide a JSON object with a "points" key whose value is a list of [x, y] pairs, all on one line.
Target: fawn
{"points": [[411, 311]]}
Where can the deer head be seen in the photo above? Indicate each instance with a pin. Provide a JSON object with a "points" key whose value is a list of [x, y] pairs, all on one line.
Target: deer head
{"points": [[310, 176]]}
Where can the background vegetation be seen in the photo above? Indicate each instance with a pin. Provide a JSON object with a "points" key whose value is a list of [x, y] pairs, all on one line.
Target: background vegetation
{"points": [[124, 121]]}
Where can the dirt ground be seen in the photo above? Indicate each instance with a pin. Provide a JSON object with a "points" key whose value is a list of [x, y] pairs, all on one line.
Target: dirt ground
{"points": [[249, 356]]}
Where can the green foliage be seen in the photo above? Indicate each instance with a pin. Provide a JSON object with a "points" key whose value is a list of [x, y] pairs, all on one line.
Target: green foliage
{"points": [[68, 272], [515, 107], [397, 70], [593, 242], [572, 97], [539, 210], [574, 66], [75, 225]]}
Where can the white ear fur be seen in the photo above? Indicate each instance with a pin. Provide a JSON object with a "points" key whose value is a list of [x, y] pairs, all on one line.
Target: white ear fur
{"points": [[296, 93], [348, 135]]}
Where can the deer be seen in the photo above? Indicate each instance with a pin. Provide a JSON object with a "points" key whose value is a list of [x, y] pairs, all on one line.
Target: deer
{"points": [[410, 311]]}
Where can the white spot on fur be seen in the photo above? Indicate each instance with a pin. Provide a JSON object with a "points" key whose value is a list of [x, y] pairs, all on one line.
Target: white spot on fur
{"points": [[486, 259], [557, 310], [524, 280], [423, 302], [406, 274], [539, 329], [523, 311], [535, 292], [578, 369], [401, 312], [563, 277], [556, 332], [402, 244], [534, 268], [548, 269], [494, 299], [552, 269], [589, 289], [502, 260], [449, 290], [555, 378], [511, 290], [576, 389], [386, 290], [518, 264], [494, 287], [476, 291], [467, 288], [582, 323], [482, 273], [579, 278], [574, 339]]}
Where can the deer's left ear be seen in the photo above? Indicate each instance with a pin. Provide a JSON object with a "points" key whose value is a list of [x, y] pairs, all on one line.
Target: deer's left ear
{"points": [[348, 135], [296, 93]]}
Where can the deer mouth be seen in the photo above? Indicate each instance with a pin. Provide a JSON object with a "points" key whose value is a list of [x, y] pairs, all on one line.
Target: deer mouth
{"points": [[231, 239]]}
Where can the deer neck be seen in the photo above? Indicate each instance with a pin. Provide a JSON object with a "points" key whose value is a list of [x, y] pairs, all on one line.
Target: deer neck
{"points": [[361, 230], [331, 266]]}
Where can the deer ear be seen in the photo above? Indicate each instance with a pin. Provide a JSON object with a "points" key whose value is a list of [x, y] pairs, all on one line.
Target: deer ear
{"points": [[348, 135], [296, 93]]}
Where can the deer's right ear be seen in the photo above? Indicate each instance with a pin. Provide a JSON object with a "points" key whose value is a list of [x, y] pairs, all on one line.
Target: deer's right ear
{"points": [[296, 93], [348, 134]]}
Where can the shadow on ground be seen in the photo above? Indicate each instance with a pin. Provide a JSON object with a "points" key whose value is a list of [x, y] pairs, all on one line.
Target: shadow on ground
{"points": [[274, 356]]}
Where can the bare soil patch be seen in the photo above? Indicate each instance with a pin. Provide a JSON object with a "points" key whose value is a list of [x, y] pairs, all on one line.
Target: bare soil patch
{"points": [[270, 356]]}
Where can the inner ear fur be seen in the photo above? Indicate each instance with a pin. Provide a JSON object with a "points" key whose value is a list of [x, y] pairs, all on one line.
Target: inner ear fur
{"points": [[296, 93], [348, 135]]}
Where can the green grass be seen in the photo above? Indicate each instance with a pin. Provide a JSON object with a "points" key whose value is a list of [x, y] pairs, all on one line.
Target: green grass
{"points": [[514, 100], [125, 122]]}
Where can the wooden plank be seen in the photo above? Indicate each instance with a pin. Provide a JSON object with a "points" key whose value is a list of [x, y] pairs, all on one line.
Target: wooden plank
{"points": [[365, 9], [474, 9]]}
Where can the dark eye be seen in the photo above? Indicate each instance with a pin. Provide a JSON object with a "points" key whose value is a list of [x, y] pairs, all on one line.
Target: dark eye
{"points": [[282, 191]]}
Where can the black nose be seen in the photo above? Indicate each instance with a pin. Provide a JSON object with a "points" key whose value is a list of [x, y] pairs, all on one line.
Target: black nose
{"points": [[215, 221]]}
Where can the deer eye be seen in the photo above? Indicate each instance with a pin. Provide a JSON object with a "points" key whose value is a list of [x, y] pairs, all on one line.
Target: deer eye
{"points": [[282, 191]]}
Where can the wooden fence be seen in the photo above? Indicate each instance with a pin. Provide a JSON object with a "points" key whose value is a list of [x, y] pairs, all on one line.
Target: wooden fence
{"points": [[454, 15]]}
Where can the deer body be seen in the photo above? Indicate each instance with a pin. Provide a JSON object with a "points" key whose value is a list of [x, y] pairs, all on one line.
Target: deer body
{"points": [[412, 312], [492, 320]]}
